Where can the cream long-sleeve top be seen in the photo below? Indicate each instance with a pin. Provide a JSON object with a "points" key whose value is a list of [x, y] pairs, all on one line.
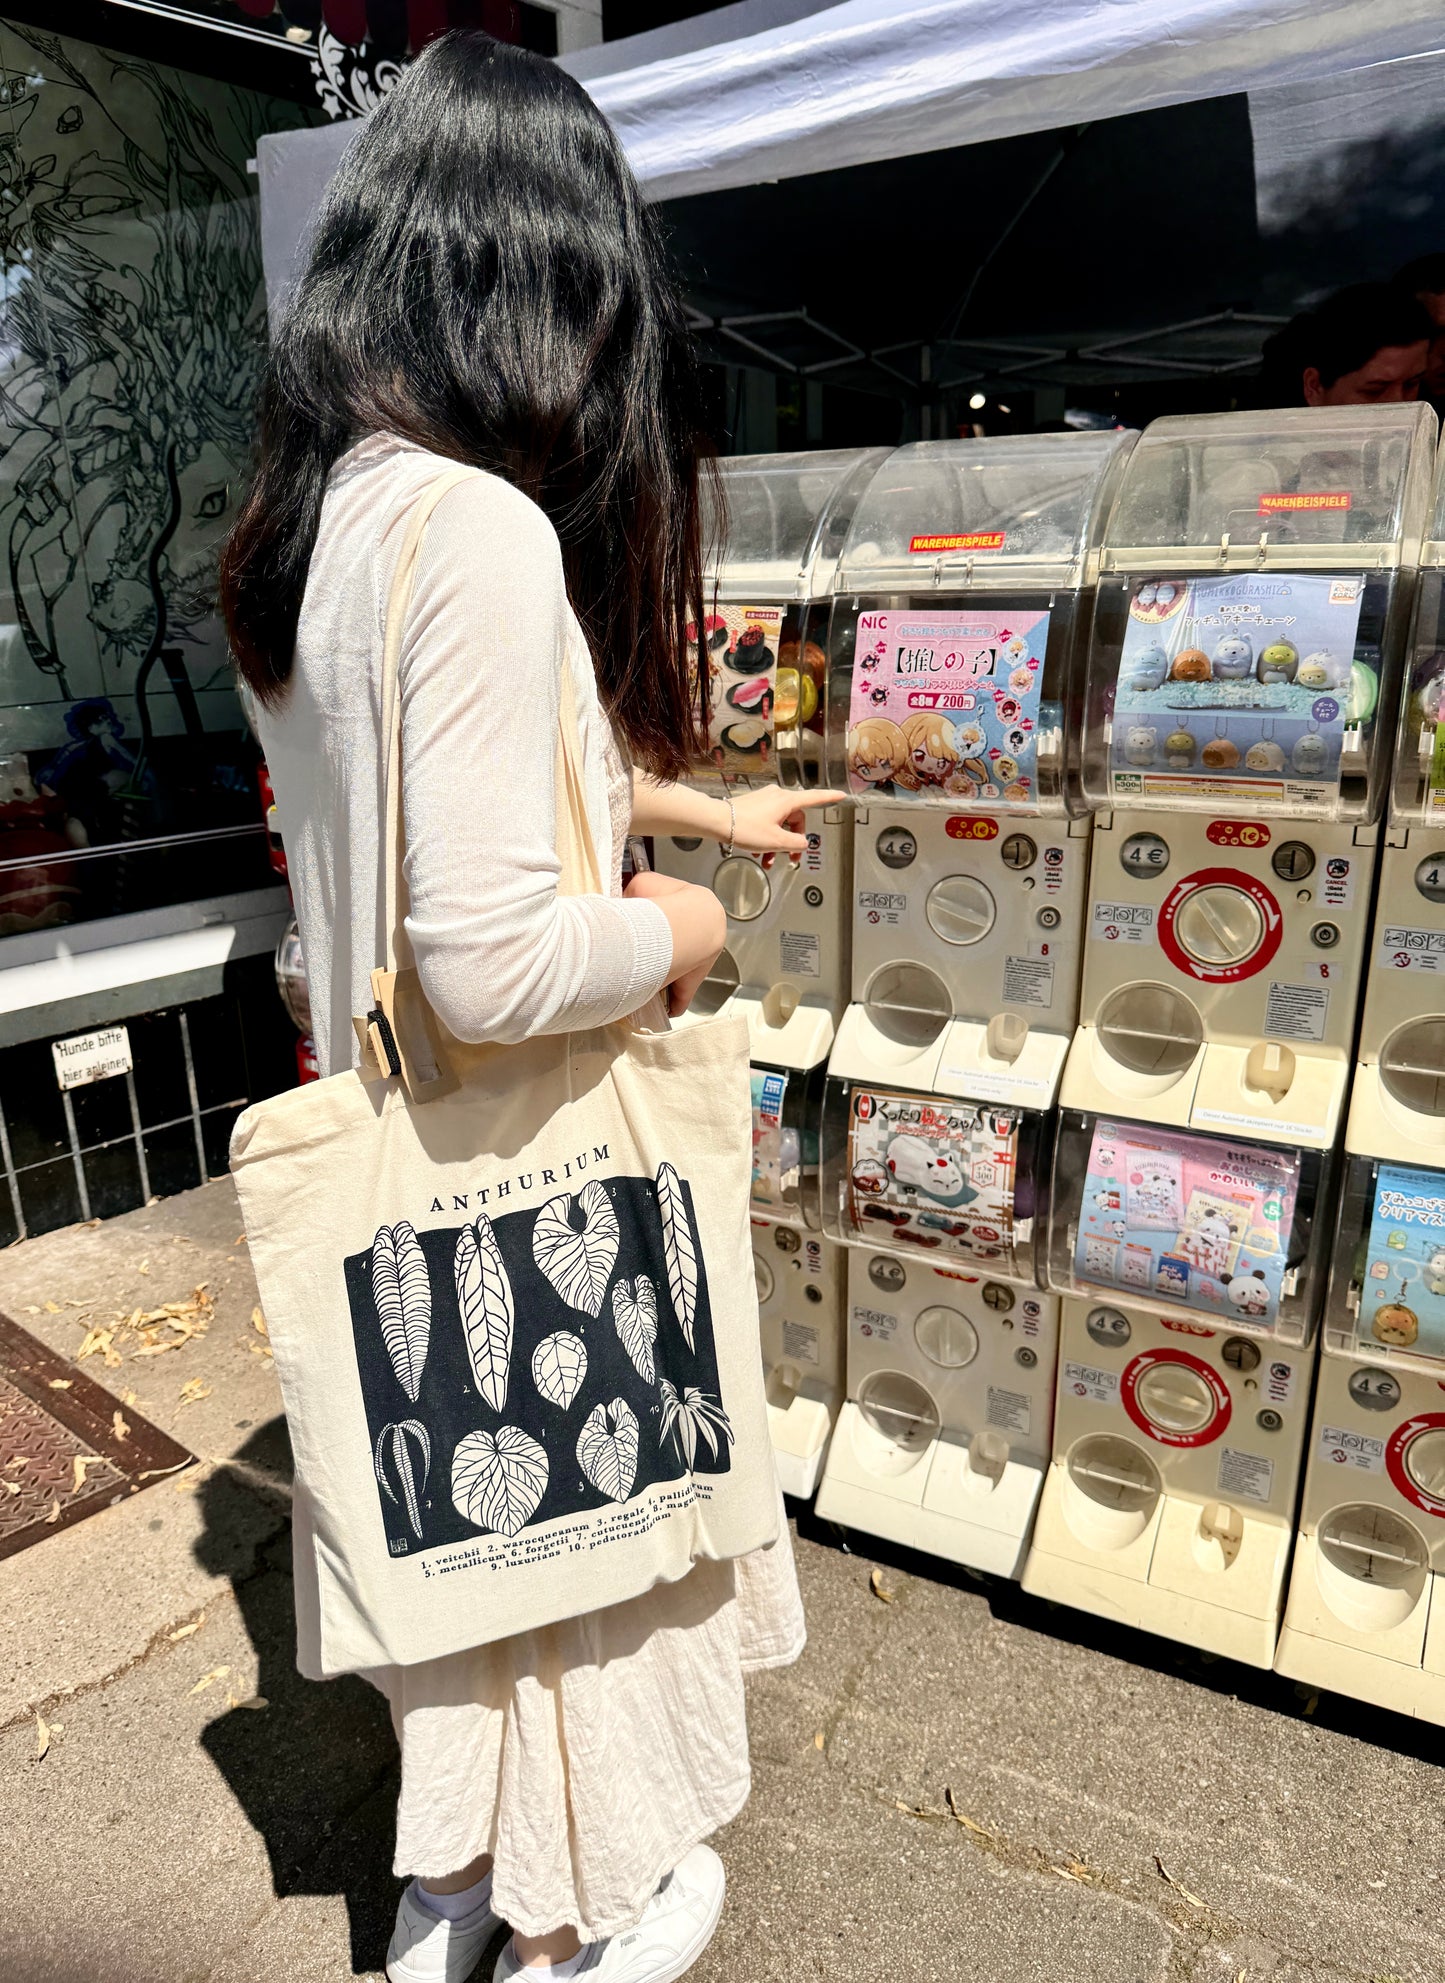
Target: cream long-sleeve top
{"points": [[501, 955]]}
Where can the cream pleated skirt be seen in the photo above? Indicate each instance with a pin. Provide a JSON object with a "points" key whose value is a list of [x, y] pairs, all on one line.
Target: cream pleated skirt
{"points": [[590, 1756]]}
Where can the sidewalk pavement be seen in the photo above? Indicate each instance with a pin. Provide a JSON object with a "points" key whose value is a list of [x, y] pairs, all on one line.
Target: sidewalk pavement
{"points": [[954, 1782]]}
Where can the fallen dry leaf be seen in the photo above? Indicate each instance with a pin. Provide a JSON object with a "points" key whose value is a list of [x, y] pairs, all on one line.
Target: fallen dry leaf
{"points": [[1178, 1885], [42, 1738], [143, 1267], [10, 1486], [52, 1308], [118, 1426], [192, 1392], [820, 1740], [209, 1679], [875, 1584], [1077, 1869], [20, 1460], [61, 1383], [129, 1397], [256, 1702], [258, 1323], [969, 1824], [54, 1515], [80, 1462], [242, 1240], [32, 1310], [185, 1631]]}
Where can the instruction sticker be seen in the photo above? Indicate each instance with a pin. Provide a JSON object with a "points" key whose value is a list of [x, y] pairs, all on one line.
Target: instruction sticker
{"points": [[1245, 1474], [1010, 1411], [1028, 981], [1099, 1387], [798, 952], [882, 906], [800, 1343], [1400, 949], [1123, 922], [875, 1323], [813, 860], [1337, 883], [1343, 1448], [1296, 1012], [1236, 688], [945, 707]]}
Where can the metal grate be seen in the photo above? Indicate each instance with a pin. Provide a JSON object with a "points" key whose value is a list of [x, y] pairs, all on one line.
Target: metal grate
{"points": [[67, 1448]]}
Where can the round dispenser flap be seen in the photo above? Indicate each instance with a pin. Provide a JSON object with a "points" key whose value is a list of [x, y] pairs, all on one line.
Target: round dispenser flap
{"points": [[1374, 1545], [1412, 1066], [1346, 485], [787, 517], [898, 1409], [908, 1003], [982, 512], [1150, 1029], [1114, 1473]]}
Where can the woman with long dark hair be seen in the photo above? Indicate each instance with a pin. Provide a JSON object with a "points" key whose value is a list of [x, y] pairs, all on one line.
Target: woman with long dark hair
{"points": [[486, 287]]}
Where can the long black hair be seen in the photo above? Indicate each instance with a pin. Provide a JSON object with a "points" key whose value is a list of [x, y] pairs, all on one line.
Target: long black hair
{"points": [[486, 280]]}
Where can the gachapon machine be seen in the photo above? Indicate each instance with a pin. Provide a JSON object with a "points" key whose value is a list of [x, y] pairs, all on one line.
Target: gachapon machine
{"points": [[1366, 1612], [944, 1438], [800, 1275], [1250, 624], [1187, 1269], [1361, 1616], [785, 965], [962, 594]]}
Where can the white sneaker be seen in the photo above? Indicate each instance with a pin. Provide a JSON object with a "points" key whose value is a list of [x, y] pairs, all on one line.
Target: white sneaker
{"points": [[427, 1949], [676, 1926]]}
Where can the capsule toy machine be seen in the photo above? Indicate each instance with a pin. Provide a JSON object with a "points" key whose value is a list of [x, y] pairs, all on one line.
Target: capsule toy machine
{"points": [[1189, 1298], [1249, 630], [1366, 1613], [800, 1276], [961, 595], [785, 963], [944, 1436]]}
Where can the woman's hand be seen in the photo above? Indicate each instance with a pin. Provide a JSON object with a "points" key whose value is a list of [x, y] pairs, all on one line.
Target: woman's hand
{"points": [[699, 930], [770, 820]]}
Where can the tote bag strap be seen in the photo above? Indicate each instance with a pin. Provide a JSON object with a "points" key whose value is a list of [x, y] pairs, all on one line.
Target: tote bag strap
{"points": [[399, 1035]]}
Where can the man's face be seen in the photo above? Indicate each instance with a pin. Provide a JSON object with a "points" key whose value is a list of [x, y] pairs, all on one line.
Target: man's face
{"points": [[1394, 373]]}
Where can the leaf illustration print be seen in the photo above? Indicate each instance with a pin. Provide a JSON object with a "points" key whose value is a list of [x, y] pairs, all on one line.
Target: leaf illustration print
{"points": [[484, 1295], [634, 1316], [401, 1290], [578, 1264], [679, 1249], [393, 1441], [691, 1413], [498, 1483], [559, 1367], [607, 1449]]}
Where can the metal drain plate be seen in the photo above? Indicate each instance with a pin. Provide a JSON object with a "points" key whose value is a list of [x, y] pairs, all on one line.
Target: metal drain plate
{"points": [[61, 1448]]}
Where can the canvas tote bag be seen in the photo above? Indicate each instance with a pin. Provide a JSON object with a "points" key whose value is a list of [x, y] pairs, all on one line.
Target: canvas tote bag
{"points": [[510, 1294]]}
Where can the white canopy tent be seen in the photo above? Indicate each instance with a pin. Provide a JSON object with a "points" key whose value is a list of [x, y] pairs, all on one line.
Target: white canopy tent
{"points": [[886, 79]]}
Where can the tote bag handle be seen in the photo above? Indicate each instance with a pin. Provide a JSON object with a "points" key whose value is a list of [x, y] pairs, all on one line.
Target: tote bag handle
{"points": [[399, 1035]]}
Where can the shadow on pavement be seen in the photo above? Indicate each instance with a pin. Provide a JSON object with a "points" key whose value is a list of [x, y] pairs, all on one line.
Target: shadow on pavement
{"points": [[1009, 1602], [315, 1772]]}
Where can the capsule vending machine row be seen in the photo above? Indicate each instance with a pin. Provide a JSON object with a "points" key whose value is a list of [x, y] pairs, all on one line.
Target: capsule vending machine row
{"points": [[1366, 1611], [1250, 620], [785, 964], [961, 594]]}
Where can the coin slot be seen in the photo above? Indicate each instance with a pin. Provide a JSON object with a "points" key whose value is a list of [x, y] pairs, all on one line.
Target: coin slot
{"points": [[1151, 1029], [1293, 861], [1018, 852]]}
